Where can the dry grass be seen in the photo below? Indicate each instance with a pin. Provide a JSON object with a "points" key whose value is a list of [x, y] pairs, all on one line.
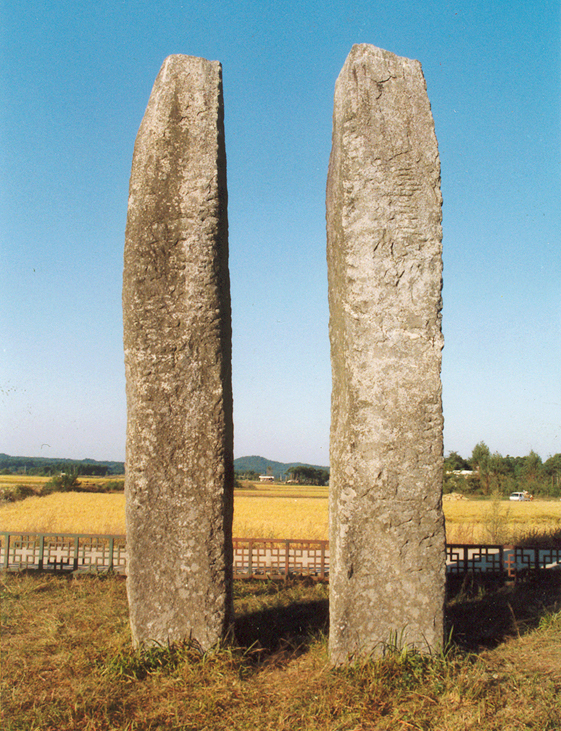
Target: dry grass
{"points": [[68, 666], [284, 512]]}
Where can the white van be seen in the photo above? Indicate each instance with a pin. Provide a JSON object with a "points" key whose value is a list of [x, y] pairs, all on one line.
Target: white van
{"points": [[519, 496]]}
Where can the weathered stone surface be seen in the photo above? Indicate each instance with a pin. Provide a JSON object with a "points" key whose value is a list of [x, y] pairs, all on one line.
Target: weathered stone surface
{"points": [[385, 275], [177, 336]]}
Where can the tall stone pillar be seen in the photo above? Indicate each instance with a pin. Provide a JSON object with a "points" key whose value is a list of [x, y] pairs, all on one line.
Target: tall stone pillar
{"points": [[385, 276], [177, 337]]}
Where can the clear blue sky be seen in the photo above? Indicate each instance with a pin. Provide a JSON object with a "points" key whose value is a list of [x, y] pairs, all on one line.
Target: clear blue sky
{"points": [[75, 79]]}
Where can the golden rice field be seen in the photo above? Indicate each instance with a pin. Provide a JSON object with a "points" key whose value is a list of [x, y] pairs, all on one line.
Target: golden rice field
{"points": [[73, 512], [281, 512], [500, 521], [66, 512], [8, 481]]}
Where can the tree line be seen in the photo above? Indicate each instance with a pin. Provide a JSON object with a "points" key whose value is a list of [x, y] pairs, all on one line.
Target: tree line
{"points": [[301, 474], [491, 473], [45, 466], [309, 475]]}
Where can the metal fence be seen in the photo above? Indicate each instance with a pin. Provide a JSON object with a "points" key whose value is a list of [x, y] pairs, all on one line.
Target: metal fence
{"points": [[266, 557], [258, 557], [507, 561], [62, 552]]}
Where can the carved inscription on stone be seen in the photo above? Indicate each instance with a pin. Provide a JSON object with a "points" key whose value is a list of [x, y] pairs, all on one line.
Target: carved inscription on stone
{"points": [[385, 277], [177, 336]]}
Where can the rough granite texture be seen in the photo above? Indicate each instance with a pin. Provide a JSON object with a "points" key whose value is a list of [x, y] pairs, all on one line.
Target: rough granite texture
{"points": [[384, 236], [177, 337]]}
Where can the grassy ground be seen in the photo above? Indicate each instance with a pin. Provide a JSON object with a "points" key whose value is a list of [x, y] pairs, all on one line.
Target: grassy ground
{"points": [[273, 511], [68, 665]]}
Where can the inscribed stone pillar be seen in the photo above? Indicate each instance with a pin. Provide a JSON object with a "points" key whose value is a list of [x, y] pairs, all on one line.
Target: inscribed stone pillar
{"points": [[385, 277], [177, 337]]}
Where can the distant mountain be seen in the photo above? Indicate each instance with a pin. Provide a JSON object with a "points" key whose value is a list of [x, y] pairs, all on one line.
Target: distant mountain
{"points": [[36, 465], [260, 465]]}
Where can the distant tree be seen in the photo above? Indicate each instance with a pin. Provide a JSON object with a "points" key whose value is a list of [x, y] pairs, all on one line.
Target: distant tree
{"points": [[454, 461], [295, 473], [247, 475], [480, 458], [92, 470], [63, 482], [497, 471], [308, 475], [552, 468], [36, 471], [552, 464], [532, 472], [533, 466]]}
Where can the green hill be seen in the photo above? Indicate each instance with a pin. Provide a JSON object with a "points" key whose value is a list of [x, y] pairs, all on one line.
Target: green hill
{"points": [[48, 465], [260, 465]]}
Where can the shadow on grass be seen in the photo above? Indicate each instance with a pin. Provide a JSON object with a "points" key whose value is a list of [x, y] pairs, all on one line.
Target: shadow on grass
{"points": [[288, 629], [481, 612], [280, 617]]}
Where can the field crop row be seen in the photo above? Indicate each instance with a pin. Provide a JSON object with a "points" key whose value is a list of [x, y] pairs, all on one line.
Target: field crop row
{"points": [[281, 516]]}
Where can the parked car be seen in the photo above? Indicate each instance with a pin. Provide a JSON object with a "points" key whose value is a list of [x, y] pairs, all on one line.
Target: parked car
{"points": [[520, 496]]}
